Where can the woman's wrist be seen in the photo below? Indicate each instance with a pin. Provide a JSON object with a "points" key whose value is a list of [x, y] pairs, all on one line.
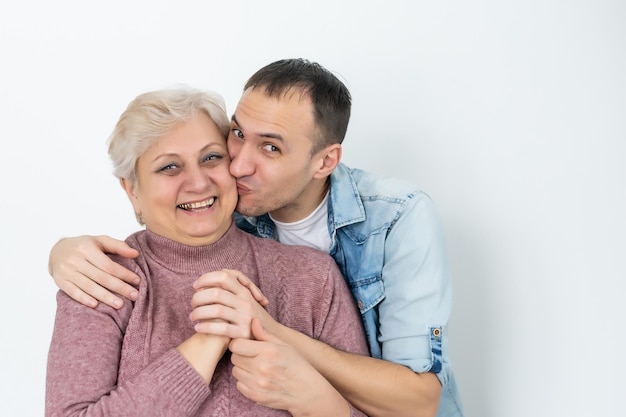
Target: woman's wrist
{"points": [[203, 352]]}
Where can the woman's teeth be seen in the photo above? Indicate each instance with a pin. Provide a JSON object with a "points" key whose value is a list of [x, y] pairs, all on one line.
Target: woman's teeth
{"points": [[198, 205]]}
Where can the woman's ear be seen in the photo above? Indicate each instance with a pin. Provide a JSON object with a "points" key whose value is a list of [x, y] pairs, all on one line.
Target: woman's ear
{"points": [[130, 188], [330, 157]]}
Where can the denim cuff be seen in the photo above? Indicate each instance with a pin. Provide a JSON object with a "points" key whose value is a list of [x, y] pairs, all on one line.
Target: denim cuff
{"points": [[436, 335]]}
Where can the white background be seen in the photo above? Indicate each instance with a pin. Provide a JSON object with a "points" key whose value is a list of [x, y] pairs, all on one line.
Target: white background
{"points": [[510, 114]]}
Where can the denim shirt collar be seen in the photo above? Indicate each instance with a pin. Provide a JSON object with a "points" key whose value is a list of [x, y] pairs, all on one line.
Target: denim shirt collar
{"points": [[345, 194], [261, 226]]}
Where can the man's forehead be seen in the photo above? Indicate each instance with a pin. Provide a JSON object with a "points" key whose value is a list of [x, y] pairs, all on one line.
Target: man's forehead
{"points": [[283, 109], [261, 133], [291, 93]]}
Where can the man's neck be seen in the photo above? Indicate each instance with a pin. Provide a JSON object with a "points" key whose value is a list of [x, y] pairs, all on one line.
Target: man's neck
{"points": [[308, 201], [312, 231]]}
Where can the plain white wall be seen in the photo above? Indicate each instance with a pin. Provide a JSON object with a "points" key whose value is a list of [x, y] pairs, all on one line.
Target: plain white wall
{"points": [[511, 115]]}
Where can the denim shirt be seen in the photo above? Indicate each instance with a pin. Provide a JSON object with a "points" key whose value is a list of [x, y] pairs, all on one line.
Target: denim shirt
{"points": [[390, 247]]}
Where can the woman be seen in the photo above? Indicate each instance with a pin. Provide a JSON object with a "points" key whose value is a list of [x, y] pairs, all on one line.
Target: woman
{"points": [[169, 152]]}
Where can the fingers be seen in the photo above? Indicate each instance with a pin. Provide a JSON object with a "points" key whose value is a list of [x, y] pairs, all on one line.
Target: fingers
{"points": [[271, 374], [118, 247], [251, 348], [227, 292], [215, 303], [89, 293], [243, 348], [220, 312], [223, 329], [98, 258], [222, 306], [220, 288], [77, 294], [227, 278], [254, 290], [104, 287], [114, 272], [262, 334], [85, 273]]}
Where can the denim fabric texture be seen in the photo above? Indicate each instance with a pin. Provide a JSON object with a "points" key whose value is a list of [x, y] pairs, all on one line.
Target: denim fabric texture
{"points": [[390, 246]]}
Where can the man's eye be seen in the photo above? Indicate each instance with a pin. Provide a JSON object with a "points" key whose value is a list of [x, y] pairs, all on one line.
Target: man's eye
{"points": [[271, 148], [238, 133]]}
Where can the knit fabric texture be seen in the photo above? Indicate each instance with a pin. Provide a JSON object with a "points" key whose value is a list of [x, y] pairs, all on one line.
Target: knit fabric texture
{"points": [[107, 362]]}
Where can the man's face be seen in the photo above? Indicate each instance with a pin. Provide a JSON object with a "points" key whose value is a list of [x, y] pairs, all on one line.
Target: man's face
{"points": [[270, 144]]}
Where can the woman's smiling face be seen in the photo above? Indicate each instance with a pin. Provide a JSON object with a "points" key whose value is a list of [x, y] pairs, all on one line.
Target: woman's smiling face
{"points": [[184, 190]]}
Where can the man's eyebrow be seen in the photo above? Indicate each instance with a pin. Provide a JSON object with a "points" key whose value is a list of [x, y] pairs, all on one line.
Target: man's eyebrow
{"points": [[263, 135]]}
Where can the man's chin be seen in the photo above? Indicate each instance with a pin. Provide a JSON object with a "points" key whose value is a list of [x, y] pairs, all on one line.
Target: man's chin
{"points": [[248, 211]]}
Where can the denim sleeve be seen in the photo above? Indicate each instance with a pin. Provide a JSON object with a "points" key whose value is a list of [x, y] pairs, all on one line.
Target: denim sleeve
{"points": [[418, 293]]}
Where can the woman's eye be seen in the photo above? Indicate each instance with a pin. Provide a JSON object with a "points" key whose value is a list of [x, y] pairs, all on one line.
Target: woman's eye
{"points": [[168, 167], [212, 157]]}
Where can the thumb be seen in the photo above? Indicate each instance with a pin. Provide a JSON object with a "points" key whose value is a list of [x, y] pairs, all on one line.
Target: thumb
{"points": [[260, 333]]}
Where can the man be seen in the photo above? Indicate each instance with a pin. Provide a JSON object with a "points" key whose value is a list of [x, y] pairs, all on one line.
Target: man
{"points": [[285, 146]]}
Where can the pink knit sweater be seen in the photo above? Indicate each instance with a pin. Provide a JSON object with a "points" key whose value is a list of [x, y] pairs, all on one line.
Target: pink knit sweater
{"points": [[106, 362]]}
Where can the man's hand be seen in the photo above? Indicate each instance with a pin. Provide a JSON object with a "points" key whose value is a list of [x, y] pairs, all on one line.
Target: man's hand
{"points": [[80, 268], [269, 371], [225, 302], [272, 373]]}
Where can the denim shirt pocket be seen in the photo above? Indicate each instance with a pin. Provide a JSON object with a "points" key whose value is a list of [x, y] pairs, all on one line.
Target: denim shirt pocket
{"points": [[366, 283], [368, 292], [362, 267]]}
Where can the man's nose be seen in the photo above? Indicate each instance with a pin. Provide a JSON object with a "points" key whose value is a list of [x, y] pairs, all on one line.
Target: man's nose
{"points": [[241, 161]]}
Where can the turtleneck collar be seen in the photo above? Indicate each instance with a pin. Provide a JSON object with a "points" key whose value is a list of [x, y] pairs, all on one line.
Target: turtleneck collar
{"points": [[178, 257]]}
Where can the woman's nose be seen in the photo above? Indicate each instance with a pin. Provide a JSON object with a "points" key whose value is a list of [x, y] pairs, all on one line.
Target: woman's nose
{"points": [[197, 179]]}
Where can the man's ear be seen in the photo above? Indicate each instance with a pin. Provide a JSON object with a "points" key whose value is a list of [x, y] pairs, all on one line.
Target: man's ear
{"points": [[329, 158]]}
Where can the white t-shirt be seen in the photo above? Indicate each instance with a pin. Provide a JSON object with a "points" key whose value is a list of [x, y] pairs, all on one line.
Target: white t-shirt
{"points": [[311, 231]]}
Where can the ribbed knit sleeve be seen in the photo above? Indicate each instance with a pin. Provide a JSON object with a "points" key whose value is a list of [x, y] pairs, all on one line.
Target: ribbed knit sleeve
{"points": [[83, 364]]}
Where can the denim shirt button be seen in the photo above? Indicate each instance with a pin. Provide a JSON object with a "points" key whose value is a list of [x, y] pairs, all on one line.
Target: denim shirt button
{"points": [[436, 332], [360, 305]]}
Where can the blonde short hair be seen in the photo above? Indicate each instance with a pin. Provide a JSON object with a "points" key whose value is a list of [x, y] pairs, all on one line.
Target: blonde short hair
{"points": [[152, 115]]}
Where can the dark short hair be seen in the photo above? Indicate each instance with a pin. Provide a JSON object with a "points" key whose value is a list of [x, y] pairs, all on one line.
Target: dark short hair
{"points": [[330, 97]]}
